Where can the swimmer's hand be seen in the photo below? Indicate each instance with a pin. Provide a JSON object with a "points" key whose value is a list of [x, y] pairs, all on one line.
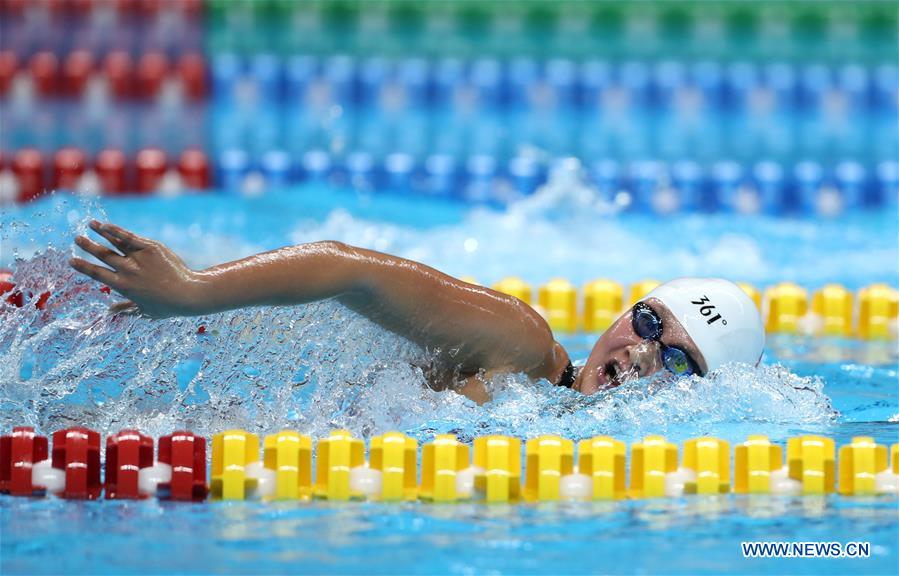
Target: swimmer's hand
{"points": [[155, 280]]}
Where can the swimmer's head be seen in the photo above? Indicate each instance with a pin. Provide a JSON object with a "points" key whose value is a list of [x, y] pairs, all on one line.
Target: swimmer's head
{"points": [[689, 325]]}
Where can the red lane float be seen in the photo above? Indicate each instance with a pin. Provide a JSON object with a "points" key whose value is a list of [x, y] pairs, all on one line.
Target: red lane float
{"points": [[127, 453], [111, 167], [193, 167], [118, 68], [44, 68], [76, 71], [152, 69], [28, 168], [185, 452], [116, 173], [76, 451], [9, 64], [68, 168], [73, 467], [151, 165], [42, 300], [19, 452], [17, 297], [192, 73]]}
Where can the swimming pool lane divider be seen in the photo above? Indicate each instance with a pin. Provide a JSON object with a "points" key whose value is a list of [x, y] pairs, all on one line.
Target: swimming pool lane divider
{"points": [[111, 172], [654, 186], [490, 471], [786, 308]]}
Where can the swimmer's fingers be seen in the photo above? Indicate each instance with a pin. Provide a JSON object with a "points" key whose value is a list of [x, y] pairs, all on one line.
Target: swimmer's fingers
{"points": [[122, 239], [102, 253], [122, 246], [127, 307], [98, 273]]}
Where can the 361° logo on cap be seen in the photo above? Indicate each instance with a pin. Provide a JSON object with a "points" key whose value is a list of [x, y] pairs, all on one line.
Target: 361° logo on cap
{"points": [[707, 309]]}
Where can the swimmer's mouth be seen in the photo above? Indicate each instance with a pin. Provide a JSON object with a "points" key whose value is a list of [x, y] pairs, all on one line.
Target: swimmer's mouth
{"points": [[613, 376]]}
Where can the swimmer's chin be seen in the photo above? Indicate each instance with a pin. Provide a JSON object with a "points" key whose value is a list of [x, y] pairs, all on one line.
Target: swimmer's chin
{"points": [[591, 382], [604, 377]]}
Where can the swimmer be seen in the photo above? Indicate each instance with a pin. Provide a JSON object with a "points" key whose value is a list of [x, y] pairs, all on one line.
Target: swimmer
{"points": [[686, 326]]}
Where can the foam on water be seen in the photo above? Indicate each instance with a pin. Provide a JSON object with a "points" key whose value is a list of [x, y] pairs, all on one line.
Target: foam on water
{"points": [[490, 245], [317, 367], [565, 230], [580, 237]]}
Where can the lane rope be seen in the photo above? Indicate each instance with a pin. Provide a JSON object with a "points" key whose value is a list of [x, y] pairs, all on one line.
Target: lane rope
{"points": [[444, 470]]}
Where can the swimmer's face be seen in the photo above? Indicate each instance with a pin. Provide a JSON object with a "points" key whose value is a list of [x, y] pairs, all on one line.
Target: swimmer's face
{"points": [[620, 354]]}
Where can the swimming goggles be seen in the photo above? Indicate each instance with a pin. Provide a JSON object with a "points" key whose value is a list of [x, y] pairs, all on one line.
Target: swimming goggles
{"points": [[648, 325]]}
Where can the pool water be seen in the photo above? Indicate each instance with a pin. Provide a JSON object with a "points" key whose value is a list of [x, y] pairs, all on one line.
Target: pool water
{"points": [[317, 367], [682, 536]]}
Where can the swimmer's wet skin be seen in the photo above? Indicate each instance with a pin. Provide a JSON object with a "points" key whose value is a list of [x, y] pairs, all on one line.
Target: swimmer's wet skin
{"points": [[690, 325]]}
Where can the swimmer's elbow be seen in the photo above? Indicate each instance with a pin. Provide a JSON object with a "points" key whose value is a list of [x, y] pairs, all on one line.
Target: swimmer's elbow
{"points": [[344, 266]]}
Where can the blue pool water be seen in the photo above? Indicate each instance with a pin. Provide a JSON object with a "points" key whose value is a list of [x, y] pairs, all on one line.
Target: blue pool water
{"points": [[671, 537], [317, 367]]}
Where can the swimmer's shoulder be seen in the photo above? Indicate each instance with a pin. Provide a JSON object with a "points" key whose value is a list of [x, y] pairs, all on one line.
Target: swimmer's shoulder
{"points": [[555, 365]]}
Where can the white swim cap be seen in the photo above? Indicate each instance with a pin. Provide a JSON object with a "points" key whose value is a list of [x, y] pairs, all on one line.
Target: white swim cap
{"points": [[721, 319]]}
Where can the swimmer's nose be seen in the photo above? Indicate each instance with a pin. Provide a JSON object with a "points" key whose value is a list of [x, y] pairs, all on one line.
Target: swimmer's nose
{"points": [[645, 357]]}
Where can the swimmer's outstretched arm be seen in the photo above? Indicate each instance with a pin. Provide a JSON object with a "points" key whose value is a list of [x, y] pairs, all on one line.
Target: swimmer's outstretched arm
{"points": [[473, 328]]}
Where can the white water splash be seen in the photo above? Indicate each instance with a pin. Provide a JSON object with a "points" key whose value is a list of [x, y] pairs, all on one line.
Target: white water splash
{"points": [[317, 367], [321, 366]]}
